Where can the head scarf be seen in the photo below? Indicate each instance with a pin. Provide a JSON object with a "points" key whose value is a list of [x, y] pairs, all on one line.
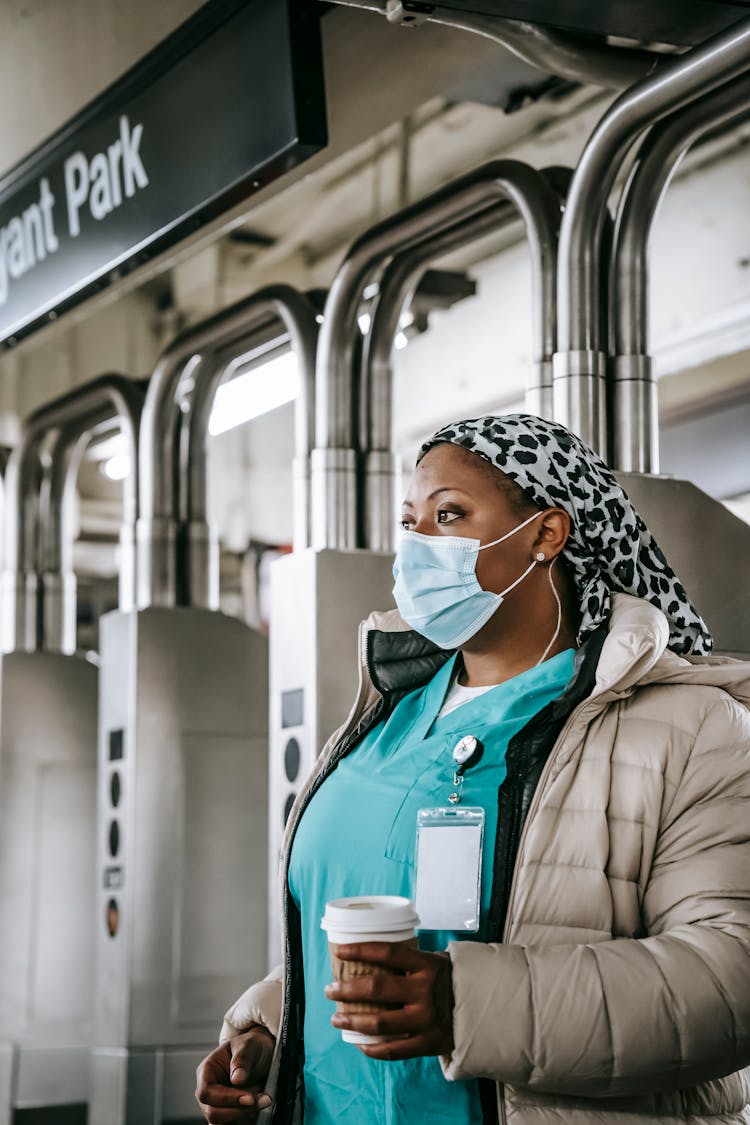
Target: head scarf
{"points": [[609, 548]]}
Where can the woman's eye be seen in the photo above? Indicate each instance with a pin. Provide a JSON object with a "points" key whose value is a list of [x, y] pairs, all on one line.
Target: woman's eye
{"points": [[445, 516]]}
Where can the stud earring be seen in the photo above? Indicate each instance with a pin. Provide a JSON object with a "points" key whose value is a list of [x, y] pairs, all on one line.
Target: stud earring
{"points": [[540, 556]]}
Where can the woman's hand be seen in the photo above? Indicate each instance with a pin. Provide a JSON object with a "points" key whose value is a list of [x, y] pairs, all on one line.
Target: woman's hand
{"points": [[230, 1080], [420, 998]]}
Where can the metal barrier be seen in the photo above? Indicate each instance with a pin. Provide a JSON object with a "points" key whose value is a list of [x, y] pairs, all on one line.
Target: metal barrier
{"points": [[395, 287], [635, 440], [580, 365], [184, 733], [318, 596], [198, 358], [334, 460], [48, 740], [110, 396]]}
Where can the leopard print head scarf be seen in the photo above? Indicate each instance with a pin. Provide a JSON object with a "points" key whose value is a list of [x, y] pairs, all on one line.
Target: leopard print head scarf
{"points": [[610, 548]]}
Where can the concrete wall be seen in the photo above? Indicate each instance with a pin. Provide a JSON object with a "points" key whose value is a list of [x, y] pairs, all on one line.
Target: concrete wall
{"points": [[56, 55]]}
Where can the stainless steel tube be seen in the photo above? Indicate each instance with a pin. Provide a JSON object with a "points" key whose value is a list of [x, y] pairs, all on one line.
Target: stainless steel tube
{"points": [[57, 530], [160, 462], [58, 577], [333, 465], [580, 364], [634, 400], [397, 285], [556, 52], [293, 316], [20, 588], [25, 514]]}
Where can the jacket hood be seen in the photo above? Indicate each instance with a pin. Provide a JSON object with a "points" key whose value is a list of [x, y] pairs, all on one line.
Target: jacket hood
{"points": [[634, 654]]}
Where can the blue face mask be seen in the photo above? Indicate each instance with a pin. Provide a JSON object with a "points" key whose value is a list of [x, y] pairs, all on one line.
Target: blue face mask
{"points": [[436, 588]]}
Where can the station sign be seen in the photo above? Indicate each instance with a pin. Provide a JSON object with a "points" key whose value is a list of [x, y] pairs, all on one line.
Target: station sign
{"points": [[229, 102]]}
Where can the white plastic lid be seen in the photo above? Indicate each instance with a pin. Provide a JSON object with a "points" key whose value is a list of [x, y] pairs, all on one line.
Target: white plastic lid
{"points": [[370, 913]]}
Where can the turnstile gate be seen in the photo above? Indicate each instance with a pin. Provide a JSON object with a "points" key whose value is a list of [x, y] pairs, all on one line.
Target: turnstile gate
{"points": [[47, 848], [48, 771], [182, 840], [181, 851]]}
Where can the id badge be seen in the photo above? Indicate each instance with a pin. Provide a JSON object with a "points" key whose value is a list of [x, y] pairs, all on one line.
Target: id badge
{"points": [[449, 868]]}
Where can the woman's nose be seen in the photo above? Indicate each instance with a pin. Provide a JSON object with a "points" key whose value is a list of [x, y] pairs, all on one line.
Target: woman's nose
{"points": [[424, 525]]}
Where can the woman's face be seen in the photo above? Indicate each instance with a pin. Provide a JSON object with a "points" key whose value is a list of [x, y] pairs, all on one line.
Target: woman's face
{"points": [[453, 493]]}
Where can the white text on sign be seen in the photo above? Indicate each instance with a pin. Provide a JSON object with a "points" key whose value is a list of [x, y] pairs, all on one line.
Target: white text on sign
{"points": [[97, 186]]}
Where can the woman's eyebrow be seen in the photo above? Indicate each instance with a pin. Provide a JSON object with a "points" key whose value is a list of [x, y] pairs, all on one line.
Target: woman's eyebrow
{"points": [[445, 488], [448, 488]]}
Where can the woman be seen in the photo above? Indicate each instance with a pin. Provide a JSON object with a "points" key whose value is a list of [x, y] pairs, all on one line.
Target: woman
{"points": [[608, 978]]}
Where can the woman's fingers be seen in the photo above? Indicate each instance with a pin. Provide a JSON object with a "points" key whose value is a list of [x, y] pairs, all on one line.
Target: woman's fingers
{"points": [[416, 1046], [399, 1021], [245, 1107], [221, 1102], [251, 1057], [229, 1116], [378, 988], [417, 996], [393, 954], [220, 1096]]}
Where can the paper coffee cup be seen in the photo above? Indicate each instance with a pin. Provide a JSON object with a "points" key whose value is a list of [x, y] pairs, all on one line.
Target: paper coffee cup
{"points": [[366, 918]]}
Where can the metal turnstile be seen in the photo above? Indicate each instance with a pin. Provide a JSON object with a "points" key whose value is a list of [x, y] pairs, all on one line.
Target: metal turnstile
{"points": [[181, 851], [182, 844], [47, 848], [318, 599], [319, 595], [48, 742]]}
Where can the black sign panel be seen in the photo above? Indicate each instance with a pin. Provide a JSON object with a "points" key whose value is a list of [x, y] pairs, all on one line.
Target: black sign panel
{"points": [[230, 101]]}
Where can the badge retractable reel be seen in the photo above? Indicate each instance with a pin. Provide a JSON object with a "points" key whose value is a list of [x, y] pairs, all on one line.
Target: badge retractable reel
{"points": [[448, 865]]}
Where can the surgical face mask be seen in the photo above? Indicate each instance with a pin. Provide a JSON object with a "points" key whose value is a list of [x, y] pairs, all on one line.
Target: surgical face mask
{"points": [[436, 588]]}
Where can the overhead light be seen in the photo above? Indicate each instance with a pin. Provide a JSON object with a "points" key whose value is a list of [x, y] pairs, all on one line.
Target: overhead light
{"points": [[255, 392], [400, 341], [248, 395], [117, 467], [364, 320], [108, 447]]}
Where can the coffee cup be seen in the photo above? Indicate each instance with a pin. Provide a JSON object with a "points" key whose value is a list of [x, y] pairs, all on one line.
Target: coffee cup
{"points": [[366, 918]]}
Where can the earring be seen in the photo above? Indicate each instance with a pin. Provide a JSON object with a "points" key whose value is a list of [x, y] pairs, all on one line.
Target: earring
{"points": [[540, 556]]}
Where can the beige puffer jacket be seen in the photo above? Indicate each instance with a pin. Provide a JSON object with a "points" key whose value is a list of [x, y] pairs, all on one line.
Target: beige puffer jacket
{"points": [[621, 992]]}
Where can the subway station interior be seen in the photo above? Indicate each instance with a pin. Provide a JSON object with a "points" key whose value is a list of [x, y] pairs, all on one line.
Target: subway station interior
{"points": [[252, 253]]}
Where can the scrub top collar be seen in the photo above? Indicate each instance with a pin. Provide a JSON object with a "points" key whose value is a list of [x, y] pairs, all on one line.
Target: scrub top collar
{"points": [[480, 709]]}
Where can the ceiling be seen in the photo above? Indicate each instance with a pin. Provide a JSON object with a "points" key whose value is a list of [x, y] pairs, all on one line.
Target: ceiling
{"points": [[679, 22]]}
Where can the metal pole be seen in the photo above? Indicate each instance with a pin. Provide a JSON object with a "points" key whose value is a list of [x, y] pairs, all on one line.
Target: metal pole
{"points": [[333, 462], [19, 612], [400, 279], [160, 460], [292, 316], [556, 52], [634, 398], [580, 364], [25, 514], [59, 584]]}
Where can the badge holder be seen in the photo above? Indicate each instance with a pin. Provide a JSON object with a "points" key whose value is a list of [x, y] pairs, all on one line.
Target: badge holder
{"points": [[448, 880]]}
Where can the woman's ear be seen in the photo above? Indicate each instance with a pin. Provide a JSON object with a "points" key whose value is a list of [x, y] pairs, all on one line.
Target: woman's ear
{"points": [[554, 530]]}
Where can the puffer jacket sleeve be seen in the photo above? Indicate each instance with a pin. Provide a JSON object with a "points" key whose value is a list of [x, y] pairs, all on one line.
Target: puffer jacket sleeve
{"points": [[643, 1015], [261, 1003]]}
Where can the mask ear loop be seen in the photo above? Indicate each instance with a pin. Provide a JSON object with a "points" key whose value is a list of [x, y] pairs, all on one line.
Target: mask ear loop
{"points": [[556, 633]]}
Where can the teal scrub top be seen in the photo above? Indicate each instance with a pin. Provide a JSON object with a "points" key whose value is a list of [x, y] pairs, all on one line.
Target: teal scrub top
{"points": [[357, 836]]}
